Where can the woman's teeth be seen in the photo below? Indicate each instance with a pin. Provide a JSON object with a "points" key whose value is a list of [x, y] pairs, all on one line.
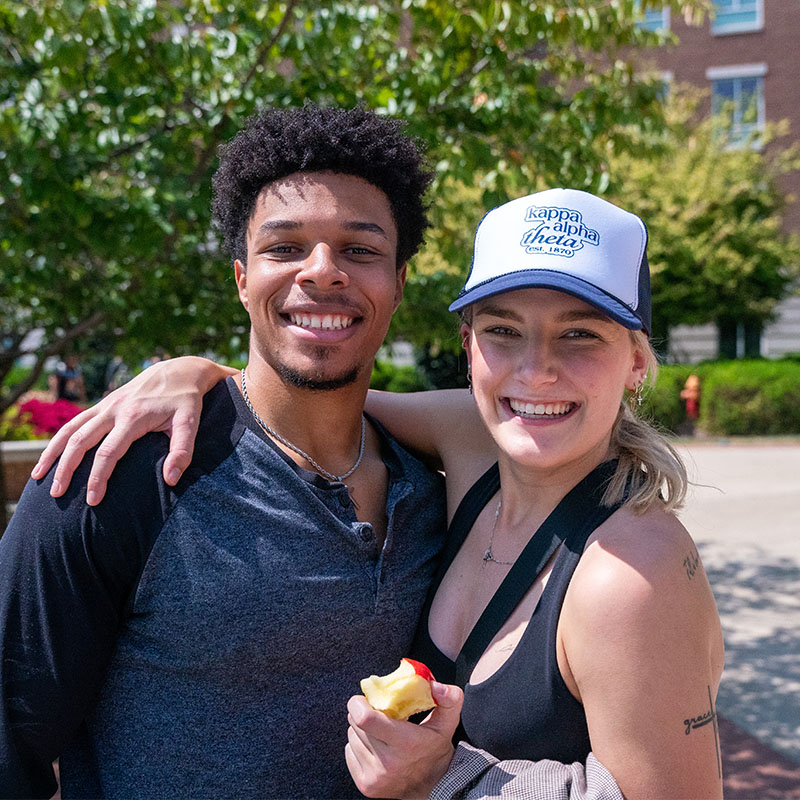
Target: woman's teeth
{"points": [[523, 409], [325, 322]]}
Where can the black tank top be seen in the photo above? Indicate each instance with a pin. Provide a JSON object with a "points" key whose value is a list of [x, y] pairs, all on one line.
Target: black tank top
{"points": [[524, 710]]}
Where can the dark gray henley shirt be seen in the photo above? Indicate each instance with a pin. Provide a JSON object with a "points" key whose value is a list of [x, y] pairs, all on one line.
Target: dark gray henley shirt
{"points": [[202, 641]]}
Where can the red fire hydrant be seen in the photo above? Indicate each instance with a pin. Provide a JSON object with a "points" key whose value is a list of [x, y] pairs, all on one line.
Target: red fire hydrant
{"points": [[690, 394]]}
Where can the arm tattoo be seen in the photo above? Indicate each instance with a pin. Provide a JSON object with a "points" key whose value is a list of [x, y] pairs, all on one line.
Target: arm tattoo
{"points": [[706, 718], [693, 723], [690, 564]]}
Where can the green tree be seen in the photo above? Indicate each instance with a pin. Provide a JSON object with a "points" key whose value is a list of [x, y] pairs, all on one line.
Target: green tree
{"points": [[111, 114], [718, 250]]}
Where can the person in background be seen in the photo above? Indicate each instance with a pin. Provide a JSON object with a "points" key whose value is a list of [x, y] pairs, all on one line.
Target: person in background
{"points": [[117, 374], [571, 605], [158, 356], [66, 382], [690, 394]]}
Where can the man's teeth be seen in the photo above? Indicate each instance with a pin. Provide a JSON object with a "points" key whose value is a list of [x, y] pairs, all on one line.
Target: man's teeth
{"points": [[329, 322], [539, 409]]}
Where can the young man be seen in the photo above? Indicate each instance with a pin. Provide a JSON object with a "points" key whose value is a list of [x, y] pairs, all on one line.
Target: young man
{"points": [[202, 640]]}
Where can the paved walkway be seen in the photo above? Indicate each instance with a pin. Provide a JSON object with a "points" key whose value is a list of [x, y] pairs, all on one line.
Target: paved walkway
{"points": [[754, 771], [744, 513]]}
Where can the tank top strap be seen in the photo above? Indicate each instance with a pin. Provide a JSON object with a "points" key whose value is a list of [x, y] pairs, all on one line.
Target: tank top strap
{"points": [[578, 514], [471, 505]]}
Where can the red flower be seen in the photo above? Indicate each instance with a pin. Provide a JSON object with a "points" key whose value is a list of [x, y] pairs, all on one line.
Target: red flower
{"points": [[47, 418]]}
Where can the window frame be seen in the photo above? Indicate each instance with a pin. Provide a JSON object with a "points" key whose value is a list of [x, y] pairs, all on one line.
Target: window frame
{"points": [[648, 24], [739, 132], [724, 29]]}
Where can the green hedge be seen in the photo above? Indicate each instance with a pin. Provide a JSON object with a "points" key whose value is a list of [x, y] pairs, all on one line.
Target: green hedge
{"points": [[391, 378], [755, 397], [662, 403]]}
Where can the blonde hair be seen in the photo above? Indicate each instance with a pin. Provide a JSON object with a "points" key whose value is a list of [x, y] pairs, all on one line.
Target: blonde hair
{"points": [[650, 471]]}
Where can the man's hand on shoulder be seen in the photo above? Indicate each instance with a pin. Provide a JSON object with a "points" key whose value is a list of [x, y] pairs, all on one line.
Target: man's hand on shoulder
{"points": [[166, 397]]}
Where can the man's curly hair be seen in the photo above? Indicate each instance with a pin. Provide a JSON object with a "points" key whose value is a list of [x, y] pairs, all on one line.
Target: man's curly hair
{"points": [[277, 142]]}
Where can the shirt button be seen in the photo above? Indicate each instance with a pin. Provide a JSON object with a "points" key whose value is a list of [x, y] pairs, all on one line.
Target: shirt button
{"points": [[366, 533]]}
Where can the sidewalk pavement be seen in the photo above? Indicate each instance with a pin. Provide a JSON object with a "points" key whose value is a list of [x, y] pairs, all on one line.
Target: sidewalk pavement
{"points": [[753, 771], [744, 513]]}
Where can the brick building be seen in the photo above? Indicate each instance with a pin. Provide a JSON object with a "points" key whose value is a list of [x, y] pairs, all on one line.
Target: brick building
{"points": [[748, 58]]}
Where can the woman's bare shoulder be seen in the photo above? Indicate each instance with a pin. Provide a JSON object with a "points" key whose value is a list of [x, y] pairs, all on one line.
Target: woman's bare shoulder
{"points": [[640, 645], [649, 541], [637, 569]]}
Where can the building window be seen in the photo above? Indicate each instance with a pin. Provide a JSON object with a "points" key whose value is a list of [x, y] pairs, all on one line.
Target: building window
{"points": [[737, 98], [737, 16], [667, 79], [654, 19]]}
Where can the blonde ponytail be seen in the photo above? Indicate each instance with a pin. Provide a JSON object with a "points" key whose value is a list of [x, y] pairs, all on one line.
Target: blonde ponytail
{"points": [[649, 466]]}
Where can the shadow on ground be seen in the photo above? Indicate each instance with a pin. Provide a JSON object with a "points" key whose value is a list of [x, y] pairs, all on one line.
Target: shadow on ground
{"points": [[759, 603], [753, 771]]}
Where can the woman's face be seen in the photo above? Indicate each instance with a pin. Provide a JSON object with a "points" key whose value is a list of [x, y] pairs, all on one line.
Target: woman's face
{"points": [[548, 373]]}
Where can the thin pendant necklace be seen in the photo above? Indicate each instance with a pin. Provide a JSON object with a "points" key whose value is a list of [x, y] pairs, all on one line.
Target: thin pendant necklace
{"points": [[275, 435], [488, 555]]}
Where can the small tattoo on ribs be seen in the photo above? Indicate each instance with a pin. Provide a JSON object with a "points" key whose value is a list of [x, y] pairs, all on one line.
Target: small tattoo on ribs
{"points": [[690, 563]]}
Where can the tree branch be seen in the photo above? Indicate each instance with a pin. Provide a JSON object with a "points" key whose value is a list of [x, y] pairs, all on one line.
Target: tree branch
{"points": [[466, 75], [262, 54], [10, 352], [167, 125], [205, 156], [42, 355]]}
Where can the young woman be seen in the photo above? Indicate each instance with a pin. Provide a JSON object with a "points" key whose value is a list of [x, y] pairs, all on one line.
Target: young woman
{"points": [[571, 606]]}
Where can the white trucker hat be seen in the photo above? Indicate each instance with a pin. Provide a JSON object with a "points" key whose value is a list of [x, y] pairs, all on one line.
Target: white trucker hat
{"points": [[567, 240]]}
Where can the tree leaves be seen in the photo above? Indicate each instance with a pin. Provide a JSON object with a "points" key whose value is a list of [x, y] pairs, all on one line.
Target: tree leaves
{"points": [[111, 115], [717, 249]]}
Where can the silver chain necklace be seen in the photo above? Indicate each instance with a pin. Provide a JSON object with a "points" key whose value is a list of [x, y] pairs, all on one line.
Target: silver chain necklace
{"points": [[275, 435], [488, 555]]}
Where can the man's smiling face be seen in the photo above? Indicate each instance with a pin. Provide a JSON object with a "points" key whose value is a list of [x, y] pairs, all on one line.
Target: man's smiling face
{"points": [[321, 282]]}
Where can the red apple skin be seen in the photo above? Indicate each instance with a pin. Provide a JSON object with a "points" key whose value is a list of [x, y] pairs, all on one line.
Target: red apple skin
{"points": [[421, 669]]}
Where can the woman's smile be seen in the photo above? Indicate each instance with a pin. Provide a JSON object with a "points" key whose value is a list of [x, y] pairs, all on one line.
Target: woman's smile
{"points": [[539, 411]]}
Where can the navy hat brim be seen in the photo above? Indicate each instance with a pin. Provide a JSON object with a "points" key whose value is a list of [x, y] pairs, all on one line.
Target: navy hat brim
{"points": [[558, 281]]}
